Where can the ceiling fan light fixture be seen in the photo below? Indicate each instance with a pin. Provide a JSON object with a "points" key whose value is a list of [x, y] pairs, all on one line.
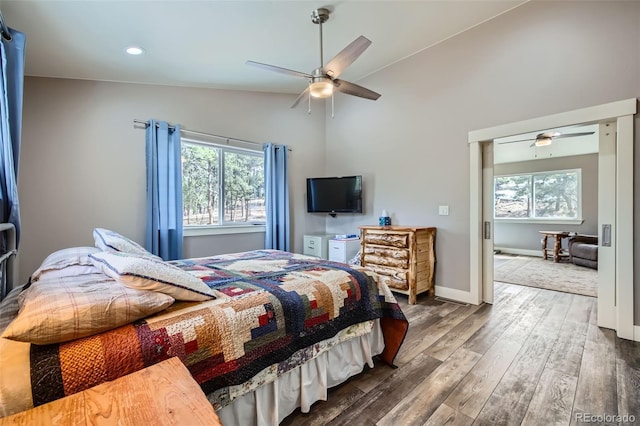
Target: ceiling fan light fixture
{"points": [[323, 81], [321, 88], [134, 50], [543, 141]]}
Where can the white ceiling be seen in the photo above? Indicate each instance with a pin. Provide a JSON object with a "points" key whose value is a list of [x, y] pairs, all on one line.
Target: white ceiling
{"points": [[206, 43]]}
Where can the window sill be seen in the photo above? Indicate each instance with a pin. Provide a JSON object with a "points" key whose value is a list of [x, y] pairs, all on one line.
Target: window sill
{"points": [[196, 231], [542, 221]]}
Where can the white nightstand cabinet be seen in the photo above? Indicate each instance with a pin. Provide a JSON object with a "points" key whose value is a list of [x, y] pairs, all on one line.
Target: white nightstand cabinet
{"points": [[316, 245], [343, 250]]}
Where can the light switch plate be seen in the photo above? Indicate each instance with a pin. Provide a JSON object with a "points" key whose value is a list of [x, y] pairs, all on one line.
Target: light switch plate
{"points": [[443, 210]]}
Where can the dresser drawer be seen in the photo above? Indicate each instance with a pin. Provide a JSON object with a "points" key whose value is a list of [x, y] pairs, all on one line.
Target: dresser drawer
{"points": [[394, 278], [394, 283], [374, 259], [337, 252], [315, 245], [393, 253], [387, 239], [312, 249]]}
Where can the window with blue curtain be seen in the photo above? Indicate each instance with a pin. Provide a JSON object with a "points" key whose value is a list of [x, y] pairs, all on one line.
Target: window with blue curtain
{"points": [[12, 45], [276, 185], [164, 190], [12, 54]]}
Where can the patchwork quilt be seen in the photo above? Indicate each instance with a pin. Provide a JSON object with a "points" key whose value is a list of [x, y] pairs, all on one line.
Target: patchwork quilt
{"points": [[270, 304]]}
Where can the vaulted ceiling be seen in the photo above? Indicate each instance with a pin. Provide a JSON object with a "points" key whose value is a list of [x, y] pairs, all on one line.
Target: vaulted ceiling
{"points": [[206, 43]]}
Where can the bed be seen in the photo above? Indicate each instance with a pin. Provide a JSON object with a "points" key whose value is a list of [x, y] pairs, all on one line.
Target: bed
{"points": [[269, 332]]}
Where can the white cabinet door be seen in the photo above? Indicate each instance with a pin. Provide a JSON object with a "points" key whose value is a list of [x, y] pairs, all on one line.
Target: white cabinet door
{"points": [[343, 250]]}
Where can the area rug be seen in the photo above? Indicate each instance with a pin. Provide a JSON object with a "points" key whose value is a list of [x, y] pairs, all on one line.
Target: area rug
{"points": [[537, 272]]}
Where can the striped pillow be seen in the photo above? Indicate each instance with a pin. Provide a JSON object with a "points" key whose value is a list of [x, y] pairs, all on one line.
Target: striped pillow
{"points": [[69, 308], [9, 307]]}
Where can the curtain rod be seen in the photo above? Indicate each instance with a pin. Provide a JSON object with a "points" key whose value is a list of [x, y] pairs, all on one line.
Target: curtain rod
{"points": [[227, 138]]}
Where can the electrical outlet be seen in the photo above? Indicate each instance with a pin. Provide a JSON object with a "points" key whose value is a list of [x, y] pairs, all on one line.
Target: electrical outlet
{"points": [[443, 210]]}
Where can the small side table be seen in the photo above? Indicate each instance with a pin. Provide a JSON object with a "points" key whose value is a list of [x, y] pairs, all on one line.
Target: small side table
{"points": [[557, 245], [162, 394]]}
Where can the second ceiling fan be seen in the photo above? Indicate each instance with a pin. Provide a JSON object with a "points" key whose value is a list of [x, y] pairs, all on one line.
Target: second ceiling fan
{"points": [[544, 139], [323, 81]]}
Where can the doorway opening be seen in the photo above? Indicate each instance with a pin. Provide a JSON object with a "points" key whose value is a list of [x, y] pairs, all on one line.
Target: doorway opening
{"points": [[615, 208], [545, 209]]}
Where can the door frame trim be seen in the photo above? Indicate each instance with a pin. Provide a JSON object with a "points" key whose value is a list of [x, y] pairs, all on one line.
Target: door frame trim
{"points": [[622, 112]]}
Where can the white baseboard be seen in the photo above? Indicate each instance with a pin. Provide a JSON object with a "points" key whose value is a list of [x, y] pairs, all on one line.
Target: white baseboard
{"points": [[523, 252], [636, 333], [453, 294]]}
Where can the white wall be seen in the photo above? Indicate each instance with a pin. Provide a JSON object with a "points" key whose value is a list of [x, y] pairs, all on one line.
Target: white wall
{"points": [[82, 162], [411, 145], [526, 235]]}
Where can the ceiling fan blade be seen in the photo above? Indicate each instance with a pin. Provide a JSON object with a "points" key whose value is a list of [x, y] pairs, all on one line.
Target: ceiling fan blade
{"points": [[279, 69], [346, 57], [302, 95], [355, 90], [519, 140], [571, 135]]}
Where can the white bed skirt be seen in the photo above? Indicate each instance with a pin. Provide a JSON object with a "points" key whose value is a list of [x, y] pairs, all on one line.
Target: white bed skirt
{"points": [[269, 404]]}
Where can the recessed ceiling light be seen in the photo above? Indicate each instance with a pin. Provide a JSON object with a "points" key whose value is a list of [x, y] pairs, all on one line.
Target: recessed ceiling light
{"points": [[134, 50]]}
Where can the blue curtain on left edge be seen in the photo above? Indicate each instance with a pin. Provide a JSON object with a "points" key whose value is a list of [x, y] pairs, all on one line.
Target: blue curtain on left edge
{"points": [[164, 190], [12, 44], [276, 185]]}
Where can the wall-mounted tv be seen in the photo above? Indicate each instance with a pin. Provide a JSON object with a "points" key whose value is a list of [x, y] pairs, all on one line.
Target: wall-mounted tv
{"points": [[334, 194]]}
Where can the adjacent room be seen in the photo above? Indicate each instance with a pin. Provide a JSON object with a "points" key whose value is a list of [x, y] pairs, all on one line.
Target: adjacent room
{"points": [[297, 212], [545, 223]]}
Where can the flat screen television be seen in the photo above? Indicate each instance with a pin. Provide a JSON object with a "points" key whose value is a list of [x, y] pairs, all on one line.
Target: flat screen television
{"points": [[334, 194]]}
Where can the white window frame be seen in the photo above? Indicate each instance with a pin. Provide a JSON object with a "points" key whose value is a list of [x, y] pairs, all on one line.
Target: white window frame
{"points": [[222, 227], [542, 220]]}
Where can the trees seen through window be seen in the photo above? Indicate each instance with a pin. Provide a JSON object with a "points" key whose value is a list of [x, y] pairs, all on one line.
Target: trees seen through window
{"points": [[221, 185], [545, 195]]}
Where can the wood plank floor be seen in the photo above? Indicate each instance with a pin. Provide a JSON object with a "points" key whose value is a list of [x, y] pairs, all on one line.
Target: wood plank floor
{"points": [[535, 357]]}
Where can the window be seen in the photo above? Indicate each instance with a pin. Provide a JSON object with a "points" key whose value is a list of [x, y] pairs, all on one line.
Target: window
{"points": [[221, 185], [545, 196]]}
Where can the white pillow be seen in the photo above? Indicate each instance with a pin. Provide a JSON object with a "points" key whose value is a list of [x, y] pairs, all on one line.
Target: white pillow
{"points": [[144, 273], [59, 260], [108, 240]]}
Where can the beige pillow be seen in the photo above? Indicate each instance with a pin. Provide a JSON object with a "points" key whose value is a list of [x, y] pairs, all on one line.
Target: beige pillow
{"points": [[79, 306], [144, 273], [9, 307]]}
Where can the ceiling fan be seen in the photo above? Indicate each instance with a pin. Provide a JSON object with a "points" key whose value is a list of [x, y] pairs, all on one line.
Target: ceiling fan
{"points": [[323, 81], [544, 139]]}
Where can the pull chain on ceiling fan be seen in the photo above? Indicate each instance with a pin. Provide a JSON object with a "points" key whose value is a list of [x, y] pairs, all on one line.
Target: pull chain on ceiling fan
{"points": [[323, 81]]}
